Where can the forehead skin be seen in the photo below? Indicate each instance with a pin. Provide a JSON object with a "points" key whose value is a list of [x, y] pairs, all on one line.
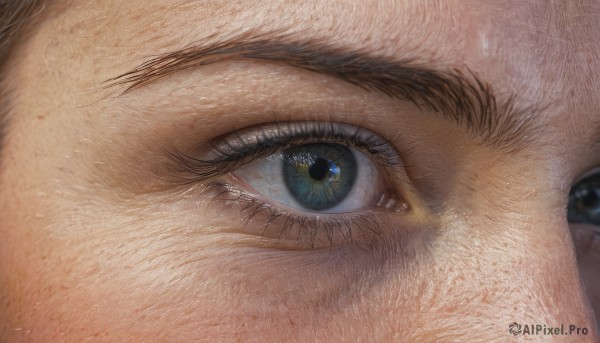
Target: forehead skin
{"points": [[541, 51], [83, 258]]}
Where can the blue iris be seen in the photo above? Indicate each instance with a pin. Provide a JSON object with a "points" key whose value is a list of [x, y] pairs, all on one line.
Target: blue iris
{"points": [[319, 176]]}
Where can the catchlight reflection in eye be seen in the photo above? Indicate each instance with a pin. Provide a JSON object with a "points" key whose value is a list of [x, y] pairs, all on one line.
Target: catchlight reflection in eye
{"points": [[304, 184], [318, 177]]}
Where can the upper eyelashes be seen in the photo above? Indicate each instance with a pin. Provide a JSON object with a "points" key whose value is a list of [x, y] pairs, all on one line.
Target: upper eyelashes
{"points": [[229, 152]]}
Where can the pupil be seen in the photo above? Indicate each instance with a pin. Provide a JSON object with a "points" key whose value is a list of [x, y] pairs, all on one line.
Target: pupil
{"points": [[319, 176], [319, 169]]}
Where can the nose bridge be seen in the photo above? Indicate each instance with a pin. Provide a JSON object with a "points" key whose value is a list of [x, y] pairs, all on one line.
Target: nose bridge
{"points": [[553, 265], [539, 275], [553, 287]]}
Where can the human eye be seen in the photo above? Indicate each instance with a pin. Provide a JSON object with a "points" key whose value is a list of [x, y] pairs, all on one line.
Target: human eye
{"points": [[583, 214], [306, 184]]}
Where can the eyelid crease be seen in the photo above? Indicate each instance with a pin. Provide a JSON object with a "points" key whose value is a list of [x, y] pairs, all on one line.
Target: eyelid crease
{"points": [[457, 93]]}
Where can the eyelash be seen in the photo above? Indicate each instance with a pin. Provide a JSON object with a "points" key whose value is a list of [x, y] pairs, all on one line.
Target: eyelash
{"points": [[232, 151], [309, 232], [227, 153]]}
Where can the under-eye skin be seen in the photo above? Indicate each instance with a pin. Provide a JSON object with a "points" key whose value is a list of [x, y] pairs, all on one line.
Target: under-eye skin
{"points": [[299, 184]]}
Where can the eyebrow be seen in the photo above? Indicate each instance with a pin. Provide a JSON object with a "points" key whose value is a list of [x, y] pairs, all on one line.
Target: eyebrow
{"points": [[457, 94]]}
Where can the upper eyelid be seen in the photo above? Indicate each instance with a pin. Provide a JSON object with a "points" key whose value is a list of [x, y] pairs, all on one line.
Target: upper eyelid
{"points": [[225, 154], [458, 94], [311, 129]]}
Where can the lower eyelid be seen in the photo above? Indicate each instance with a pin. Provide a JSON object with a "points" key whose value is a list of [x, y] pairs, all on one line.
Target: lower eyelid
{"points": [[286, 229]]}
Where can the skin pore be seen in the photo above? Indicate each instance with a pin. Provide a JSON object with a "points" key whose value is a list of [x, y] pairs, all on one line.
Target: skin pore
{"points": [[100, 241]]}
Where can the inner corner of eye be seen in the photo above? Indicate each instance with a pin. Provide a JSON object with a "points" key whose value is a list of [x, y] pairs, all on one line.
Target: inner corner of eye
{"points": [[317, 178]]}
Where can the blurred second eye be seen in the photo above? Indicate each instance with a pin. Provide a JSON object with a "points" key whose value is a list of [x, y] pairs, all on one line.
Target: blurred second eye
{"points": [[584, 200], [321, 177]]}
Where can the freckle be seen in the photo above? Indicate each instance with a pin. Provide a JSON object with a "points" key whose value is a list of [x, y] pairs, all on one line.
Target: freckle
{"points": [[40, 117]]}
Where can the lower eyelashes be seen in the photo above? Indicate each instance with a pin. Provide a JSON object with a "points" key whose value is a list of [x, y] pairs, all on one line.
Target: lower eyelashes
{"points": [[283, 229]]}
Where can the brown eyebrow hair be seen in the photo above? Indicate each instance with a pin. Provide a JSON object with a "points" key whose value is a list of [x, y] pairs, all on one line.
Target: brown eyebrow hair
{"points": [[458, 95]]}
